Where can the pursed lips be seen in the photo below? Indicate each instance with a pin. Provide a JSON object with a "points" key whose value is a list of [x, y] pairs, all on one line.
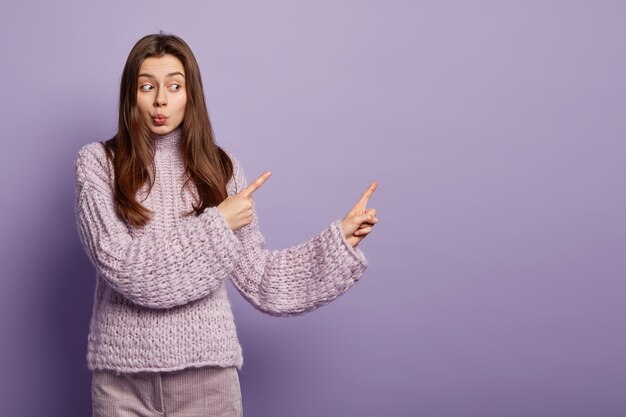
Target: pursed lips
{"points": [[159, 119]]}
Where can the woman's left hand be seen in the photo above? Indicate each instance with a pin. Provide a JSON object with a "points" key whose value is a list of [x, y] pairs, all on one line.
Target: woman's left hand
{"points": [[359, 222]]}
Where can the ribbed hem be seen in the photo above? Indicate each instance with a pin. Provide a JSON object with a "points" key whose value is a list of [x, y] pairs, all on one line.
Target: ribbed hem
{"points": [[237, 363]]}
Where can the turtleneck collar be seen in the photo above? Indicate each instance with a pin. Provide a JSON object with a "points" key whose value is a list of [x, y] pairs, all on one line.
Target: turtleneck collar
{"points": [[168, 140]]}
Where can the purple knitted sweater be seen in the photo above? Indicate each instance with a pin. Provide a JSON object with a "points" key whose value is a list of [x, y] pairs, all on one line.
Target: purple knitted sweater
{"points": [[160, 302]]}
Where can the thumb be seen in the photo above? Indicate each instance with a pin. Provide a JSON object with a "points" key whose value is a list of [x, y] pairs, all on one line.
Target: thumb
{"points": [[362, 218]]}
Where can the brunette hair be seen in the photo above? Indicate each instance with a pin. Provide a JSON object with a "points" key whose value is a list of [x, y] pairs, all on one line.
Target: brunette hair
{"points": [[132, 148]]}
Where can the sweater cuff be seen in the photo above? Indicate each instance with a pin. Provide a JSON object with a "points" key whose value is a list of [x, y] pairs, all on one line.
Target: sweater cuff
{"points": [[225, 236], [355, 252]]}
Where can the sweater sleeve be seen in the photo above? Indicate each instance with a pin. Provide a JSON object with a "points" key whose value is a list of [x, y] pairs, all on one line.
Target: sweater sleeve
{"points": [[159, 269], [298, 279]]}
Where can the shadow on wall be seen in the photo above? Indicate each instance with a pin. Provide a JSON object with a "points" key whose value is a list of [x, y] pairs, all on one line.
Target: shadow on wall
{"points": [[68, 282]]}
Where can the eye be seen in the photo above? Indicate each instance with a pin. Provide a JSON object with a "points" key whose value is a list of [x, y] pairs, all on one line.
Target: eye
{"points": [[145, 87], [176, 87]]}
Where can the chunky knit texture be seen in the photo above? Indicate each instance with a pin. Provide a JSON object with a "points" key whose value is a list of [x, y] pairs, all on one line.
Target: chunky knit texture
{"points": [[160, 302]]}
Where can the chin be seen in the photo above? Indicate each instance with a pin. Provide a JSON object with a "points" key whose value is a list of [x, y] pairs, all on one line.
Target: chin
{"points": [[161, 130]]}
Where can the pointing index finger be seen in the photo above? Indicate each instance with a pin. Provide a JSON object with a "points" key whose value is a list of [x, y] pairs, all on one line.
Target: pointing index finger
{"points": [[254, 185], [366, 195]]}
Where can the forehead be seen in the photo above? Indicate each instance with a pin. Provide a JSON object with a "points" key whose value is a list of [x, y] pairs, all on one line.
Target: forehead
{"points": [[162, 65]]}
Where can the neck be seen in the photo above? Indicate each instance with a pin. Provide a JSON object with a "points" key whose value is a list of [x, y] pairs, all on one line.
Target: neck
{"points": [[168, 140]]}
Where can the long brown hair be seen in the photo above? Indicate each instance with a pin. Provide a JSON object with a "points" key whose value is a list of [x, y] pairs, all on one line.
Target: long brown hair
{"points": [[131, 150]]}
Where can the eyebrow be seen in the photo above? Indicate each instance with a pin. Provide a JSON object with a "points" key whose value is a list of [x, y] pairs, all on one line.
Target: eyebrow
{"points": [[171, 74]]}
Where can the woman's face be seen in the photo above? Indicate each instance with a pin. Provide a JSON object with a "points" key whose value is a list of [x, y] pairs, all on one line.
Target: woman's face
{"points": [[161, 93]]}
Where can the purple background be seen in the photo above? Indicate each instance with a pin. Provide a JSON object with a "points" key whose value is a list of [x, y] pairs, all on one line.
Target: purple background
{"points": [[495, 130]]}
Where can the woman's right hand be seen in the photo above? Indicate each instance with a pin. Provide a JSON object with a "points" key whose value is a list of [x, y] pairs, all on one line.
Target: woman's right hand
{"points": [[237, 209]]}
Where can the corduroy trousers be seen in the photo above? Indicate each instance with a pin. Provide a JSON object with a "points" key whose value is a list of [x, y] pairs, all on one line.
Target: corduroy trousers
{"points": [[208, 391]]}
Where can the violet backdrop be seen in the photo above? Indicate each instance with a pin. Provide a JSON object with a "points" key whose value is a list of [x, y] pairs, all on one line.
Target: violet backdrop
{"points": [[495, 130]]}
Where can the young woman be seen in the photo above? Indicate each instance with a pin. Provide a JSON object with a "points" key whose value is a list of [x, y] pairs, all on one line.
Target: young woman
{"points": [[166, 215]]}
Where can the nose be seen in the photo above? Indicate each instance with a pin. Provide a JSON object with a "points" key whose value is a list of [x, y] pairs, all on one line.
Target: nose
{"points": [[161, 98]]}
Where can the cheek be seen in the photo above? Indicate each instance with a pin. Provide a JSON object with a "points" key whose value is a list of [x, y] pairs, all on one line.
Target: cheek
{"points": [[142, 103], [182, 103]]}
